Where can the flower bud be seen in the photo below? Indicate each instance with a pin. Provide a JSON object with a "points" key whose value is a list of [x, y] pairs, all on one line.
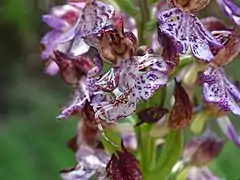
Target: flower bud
{"points": [[123, 166], [181, 113], [202, 150], [189, 5]]}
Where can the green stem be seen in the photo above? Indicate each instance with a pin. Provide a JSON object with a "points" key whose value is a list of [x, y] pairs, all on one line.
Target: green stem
{"points": [[142, 20]]}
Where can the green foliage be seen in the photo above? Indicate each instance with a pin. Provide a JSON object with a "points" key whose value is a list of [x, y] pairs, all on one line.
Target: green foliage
{"points": [[170, 154]]}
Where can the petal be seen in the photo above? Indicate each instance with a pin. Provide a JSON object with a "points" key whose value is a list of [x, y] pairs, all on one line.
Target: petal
{"points": [[80, 97], [233, 89], [111, 111], [98, 68], [228, 129], [92, 158], [218, 89], [213, 87], [49, 42], [51, 68], [54, 22], [231, 9], [109, 81], [71, 33], [187, 30], [95, 16], [77, 173], [203, 173], [78, 46], [148, 83], [61, 10]]}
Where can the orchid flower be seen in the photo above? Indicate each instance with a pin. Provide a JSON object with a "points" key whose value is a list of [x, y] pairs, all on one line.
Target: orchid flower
{"points": [[132, 85], [79, 72], [186, 30], [60, 19], [94, 17]]}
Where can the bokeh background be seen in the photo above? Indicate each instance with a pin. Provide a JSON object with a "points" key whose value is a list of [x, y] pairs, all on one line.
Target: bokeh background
{"points": [[32, 141]]}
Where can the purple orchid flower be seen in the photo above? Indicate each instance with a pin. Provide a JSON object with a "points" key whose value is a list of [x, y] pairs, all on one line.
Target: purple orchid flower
{"points": [[91, 163], [231, 9], [61, 19], [131, 86], [186, 30], [94, 17], [217, 88]]}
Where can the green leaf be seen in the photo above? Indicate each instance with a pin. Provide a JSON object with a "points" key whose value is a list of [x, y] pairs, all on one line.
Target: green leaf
{"points": [[128, 7], [170, 154], [115, 138]]}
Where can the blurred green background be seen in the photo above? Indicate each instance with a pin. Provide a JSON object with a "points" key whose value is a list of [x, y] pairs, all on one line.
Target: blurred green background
{"points": [[33, 142]]}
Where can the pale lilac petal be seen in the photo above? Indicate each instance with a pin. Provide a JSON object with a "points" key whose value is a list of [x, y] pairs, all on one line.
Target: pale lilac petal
{"points": [[186, 30], [61, 10], [231, 9], [213, 87], [54, 22], [80, 97], [228, 129], [49, 43], [78, 173], [95, 16], [217, 88], [51, 69], [78, 47], [148, 83], [109, 81], [92, 158], [196, 173], [111, 111], [233, 106], [234, 90], [97, 69], [71, 33], [129, 140]]}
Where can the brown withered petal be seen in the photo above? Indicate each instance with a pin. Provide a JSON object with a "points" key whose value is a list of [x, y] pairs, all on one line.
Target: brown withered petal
{"points": [[123, 166], [214, 24], [170, 52], [181, 113], [72, 69], [203, 150], [151, 115], [189, 5], [231, 49]]}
